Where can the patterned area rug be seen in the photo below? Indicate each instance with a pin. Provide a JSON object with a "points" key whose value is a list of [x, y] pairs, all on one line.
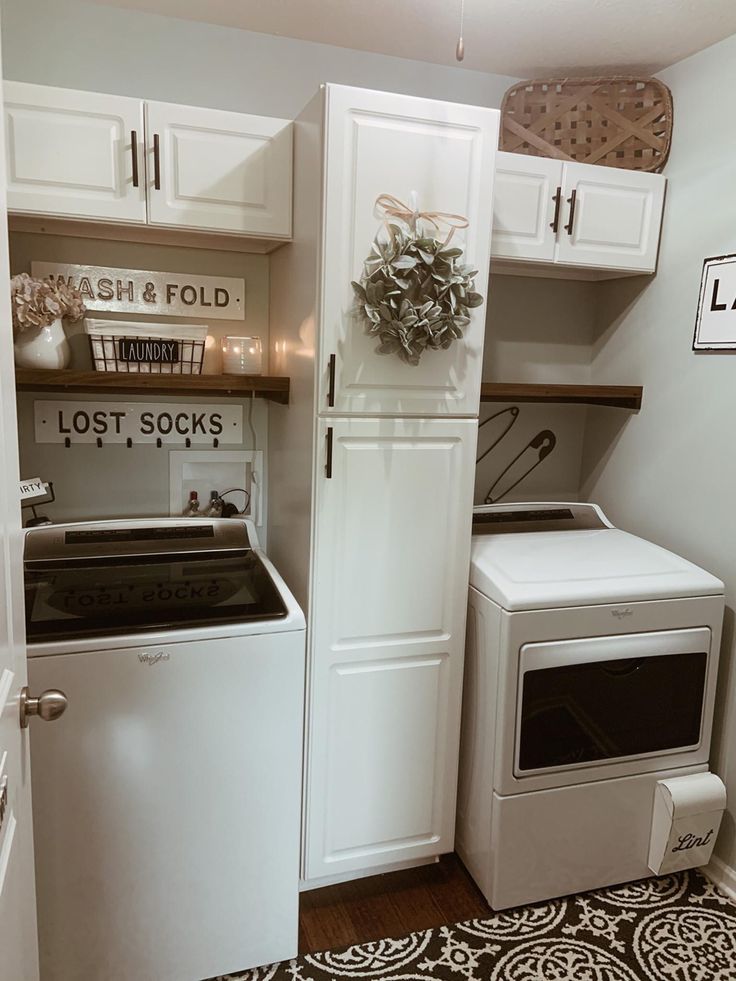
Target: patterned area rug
{"points": [[674, 928]]}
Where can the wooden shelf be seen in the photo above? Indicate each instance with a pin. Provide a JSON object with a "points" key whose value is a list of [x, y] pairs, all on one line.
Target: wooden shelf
{"points": [[620, 396], [276, 389]]}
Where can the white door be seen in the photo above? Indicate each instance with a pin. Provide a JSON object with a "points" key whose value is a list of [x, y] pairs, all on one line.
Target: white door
{"points": [[18, 945], [74, 154], [440, 156], [527, 207], [611, 218], [389, 596], [223, 171]]}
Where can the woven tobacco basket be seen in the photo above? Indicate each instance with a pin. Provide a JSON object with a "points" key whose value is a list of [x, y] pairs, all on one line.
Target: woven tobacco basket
{"points": [[618, 122]]}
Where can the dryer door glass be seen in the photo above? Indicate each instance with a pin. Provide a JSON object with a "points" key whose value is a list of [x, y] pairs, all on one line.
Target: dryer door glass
{"points": [[609, 709], [119, 596]]}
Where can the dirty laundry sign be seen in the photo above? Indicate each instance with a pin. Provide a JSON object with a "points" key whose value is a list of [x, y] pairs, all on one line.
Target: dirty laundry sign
{"points": [[161, 294], [33, 487], [139, 422], [715, 326]]}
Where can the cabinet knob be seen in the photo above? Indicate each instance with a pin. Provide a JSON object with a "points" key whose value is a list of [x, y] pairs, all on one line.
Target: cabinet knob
{"points": [[134, 155], [156, 162], [555, 223], [48, 706], [571, 201]]}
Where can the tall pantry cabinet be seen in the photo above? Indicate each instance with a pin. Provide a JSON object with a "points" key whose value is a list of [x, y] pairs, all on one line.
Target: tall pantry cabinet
{"points": [[372, 470]]}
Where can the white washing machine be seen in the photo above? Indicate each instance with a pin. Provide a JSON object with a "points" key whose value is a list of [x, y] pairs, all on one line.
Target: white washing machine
{"points": [[166, 798], [591, 668]]}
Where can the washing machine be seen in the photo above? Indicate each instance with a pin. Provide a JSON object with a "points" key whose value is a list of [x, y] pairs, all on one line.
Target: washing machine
{"points": [[591, 667], [166, 798]]}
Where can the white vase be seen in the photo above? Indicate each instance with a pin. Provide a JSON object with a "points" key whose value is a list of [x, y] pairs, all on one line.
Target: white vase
{"points": [[42, 347]]}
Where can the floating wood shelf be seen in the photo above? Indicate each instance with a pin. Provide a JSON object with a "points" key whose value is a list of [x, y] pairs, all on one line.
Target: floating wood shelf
{"points": [[276, 389], [620, 396]]}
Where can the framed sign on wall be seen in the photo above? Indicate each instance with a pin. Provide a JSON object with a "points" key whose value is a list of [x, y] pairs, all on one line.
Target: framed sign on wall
{"points": [[140, 422], [157, 293], [715, 324]]}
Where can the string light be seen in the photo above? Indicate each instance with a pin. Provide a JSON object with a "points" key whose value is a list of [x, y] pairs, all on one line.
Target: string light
{"points": [[460, 49]]}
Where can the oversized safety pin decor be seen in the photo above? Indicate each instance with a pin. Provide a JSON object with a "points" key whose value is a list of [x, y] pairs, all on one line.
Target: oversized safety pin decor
{"points": [[540, 446], [513, 415]]}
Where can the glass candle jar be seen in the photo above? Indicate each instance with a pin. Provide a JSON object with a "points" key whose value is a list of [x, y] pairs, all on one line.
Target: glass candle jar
{"points": [[242, 356]]}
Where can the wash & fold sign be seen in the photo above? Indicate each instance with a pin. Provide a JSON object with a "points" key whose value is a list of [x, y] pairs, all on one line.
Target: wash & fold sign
{"points": [[155, 293]]}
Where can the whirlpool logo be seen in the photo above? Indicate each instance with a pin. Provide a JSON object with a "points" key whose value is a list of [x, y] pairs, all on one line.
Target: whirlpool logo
{"points": [[151, 658], [622, 613]]}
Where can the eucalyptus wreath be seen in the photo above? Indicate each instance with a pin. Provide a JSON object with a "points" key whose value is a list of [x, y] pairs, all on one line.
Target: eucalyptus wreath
{"points": [[415, 293]]}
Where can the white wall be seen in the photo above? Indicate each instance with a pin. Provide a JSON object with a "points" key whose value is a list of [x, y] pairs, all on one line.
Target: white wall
{"points": [[669, 473], [81, 45]]}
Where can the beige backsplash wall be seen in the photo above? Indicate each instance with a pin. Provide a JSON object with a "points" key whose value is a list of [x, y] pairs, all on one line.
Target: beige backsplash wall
{"points": [[114, 481]]}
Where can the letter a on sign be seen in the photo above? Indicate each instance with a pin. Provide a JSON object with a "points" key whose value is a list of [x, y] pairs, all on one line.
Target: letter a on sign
{"points": [[715, 324]]}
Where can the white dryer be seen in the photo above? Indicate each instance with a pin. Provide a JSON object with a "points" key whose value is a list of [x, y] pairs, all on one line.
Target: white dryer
{"points": [[590, 674]]}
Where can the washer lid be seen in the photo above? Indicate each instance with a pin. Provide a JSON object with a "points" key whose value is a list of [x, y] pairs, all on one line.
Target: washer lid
{"points": [[538, 570]]}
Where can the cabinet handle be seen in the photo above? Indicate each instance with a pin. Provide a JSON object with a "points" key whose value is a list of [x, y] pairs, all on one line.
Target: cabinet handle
{"points": [[157, 162], [571, 201], [331, 381], [328, 462], [555, 223], [134, 153]]}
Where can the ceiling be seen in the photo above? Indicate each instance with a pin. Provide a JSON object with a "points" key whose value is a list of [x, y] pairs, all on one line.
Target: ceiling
{"points": [[522, 38]]}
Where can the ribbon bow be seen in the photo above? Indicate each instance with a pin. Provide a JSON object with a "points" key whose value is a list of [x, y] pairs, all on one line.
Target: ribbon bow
{"points": [[387, 206]]}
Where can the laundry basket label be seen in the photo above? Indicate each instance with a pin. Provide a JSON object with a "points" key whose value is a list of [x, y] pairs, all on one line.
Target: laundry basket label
{"points": [[142, 351]]}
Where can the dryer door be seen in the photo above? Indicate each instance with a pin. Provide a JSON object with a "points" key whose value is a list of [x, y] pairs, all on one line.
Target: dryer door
{"points": [[603, 700]]}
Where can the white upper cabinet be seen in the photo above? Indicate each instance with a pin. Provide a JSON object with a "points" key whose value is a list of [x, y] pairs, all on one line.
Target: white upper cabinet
{"points": [[220, 171], [527, 203], [433, 156], [388, 627], [74, 154], [613, 218], [570, 216], [81, 155]]}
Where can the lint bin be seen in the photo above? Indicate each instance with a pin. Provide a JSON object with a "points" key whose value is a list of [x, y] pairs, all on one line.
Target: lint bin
{"points": [[685, 821]]}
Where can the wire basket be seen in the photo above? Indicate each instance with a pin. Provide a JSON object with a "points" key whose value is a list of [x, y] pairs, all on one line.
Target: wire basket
{"points": [[141, 348], [617, 122]]}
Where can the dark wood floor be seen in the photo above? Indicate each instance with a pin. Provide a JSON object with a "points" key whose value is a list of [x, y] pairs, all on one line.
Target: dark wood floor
{"points": [[388, 905]]}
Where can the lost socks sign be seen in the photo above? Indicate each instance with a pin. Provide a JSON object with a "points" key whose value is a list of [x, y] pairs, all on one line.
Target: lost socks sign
{"points": [[140, 422]]}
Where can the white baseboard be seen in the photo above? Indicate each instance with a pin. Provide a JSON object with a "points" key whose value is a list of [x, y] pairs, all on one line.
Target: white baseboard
{"points": [[722, 875], [305, 885]]}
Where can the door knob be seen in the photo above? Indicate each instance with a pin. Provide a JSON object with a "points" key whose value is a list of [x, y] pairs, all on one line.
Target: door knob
{"points": [[48, 706]]}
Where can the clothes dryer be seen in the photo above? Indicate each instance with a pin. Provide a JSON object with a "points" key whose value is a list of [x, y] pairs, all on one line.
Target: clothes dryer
{"points": [[591, 667]]}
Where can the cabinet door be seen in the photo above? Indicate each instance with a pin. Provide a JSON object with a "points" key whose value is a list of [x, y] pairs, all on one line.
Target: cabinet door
{"points": [[223, 171], [525, 193], [76, 154], [611, 218], [439, 155], [389, 597]]}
